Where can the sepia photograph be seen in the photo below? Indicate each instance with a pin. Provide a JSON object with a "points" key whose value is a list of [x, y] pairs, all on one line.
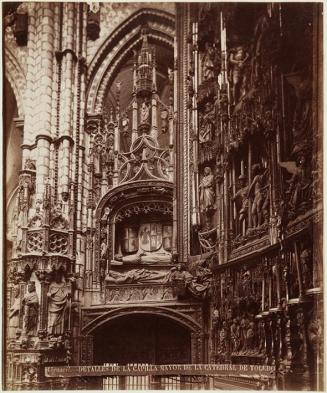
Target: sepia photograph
{"points": [[162, 196]]}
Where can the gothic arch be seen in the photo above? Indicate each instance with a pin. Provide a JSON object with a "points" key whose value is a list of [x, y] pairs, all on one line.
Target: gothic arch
{"points": [[139, 192], [16, 77], [113, 195], [120, 43], [178, 317]]}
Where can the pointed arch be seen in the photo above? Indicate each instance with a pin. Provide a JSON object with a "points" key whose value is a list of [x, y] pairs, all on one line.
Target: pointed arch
{"points": [[17, 79], [117, 47], [178, 317]]}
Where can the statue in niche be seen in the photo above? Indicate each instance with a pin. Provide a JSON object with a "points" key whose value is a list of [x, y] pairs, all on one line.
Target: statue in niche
{"points": [[125, 124], [244, 324], [58, 296], [14, 314], [30, 303], [106, 213], [249, 342], [164, 120], [103, 250], [207, 124], [238, 59], [299, 191], [207, 191], [209, 63], [241, 201], [261, 336], [222, 346], [307, 268], [135, 276], [235, 335], [144, 113], [260, 33], [302, 118], [257, 192]]}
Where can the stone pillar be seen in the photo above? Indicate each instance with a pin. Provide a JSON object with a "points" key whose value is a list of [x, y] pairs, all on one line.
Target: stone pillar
{"points": [[42, 164], [183, 134]]}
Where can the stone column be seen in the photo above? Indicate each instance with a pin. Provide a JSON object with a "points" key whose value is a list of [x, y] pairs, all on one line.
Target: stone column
{"points": [[183, 134]]}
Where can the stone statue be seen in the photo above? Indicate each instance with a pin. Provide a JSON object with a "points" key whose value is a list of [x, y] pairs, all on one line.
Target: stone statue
{"points": [[14, 314], [200, 284], [209, 63], [260, 34], [244, 324], [134, 276], [222, 347], [58, 296], [249, 339], [207, 124], [125, 124], [103, 250], [257, 192], [299, 190], [235, 335], [30, 302], [207, 191], [307, 269], [238, 60], [241, 201], [144, 113], [302, 118]]}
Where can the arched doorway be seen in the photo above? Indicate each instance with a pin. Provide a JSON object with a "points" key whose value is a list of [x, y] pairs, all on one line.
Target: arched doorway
{"points": [[142, 338]]}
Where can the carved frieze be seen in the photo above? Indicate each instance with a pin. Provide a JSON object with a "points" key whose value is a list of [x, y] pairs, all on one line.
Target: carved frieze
{"points": [[138, 293]]}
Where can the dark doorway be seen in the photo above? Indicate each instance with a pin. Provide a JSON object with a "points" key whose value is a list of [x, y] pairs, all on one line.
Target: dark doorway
{"points": [[142, 339]]}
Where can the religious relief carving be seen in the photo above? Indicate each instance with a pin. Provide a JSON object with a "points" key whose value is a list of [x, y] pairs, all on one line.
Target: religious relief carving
{"points": [[185, 283], [135, 276], [138, 293]]}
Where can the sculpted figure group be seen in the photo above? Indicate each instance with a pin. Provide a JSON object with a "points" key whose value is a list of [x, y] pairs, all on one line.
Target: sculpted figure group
{"points": [[255, 195], [24, 313]]}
